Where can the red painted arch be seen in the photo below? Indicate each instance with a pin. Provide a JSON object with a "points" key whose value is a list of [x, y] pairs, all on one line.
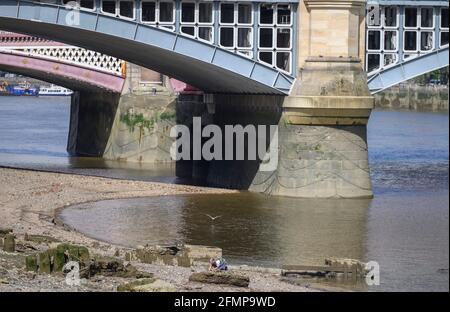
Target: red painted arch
{"points": [[71, 75]]}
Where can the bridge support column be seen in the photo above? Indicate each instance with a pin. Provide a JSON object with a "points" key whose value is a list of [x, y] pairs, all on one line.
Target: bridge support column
{"points": [[243, 110], [322, 146], [91, 118], [323, 143], [188, 107], [133, 126]]}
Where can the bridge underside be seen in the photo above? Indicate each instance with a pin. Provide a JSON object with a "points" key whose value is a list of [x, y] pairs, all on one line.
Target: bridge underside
{"points": [[206, 67], [68, 75]]}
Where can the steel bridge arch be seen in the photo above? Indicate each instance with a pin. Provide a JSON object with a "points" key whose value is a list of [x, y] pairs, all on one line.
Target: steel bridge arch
{"points": [[408, 69], [200, 64], [68, 74]]}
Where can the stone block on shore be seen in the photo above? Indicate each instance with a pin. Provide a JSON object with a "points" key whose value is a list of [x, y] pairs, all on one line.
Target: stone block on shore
{"points": [[106, 265], [54, 259], [9, 243], [4, 231], [74, 252], [220, 278], [109, 266], [184, 256], [40, 239], [45, 263], [352, 264], [31, 263], [147, 285]]}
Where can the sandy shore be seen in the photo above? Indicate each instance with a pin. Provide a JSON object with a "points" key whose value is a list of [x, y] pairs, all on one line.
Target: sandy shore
{"points": [[30, 199]]}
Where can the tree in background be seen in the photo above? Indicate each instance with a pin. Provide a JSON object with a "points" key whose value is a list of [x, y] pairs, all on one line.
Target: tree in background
{"points": [[440, 75]]}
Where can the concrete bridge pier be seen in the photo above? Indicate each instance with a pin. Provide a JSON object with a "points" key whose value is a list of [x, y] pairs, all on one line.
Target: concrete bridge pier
{"points": [[189, 106], [132, 126], [92, 114], [242, 110], [323, 141], [322, 135]]}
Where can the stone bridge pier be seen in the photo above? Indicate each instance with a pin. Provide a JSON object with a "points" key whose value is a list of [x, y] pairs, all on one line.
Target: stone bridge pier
{"points": [[91, 118], [132, 126], [323, 141], [323, 150]]}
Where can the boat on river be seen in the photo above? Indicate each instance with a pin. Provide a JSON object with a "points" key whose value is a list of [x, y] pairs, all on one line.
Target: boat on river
{"points": [[54, 91], [19, 90]]}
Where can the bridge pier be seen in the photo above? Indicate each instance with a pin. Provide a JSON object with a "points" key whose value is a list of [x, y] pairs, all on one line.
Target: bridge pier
{"points": [[323, 148], [322, 151], [242, 110], [130, 127], [91, 119], [323, 141], [141, 128], [188, 107]]}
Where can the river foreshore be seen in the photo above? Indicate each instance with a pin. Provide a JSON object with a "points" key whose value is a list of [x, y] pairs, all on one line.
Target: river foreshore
{"points": [[29, 201]]}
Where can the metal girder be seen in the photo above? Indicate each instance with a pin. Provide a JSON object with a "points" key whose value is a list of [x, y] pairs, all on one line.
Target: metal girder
{"points": [[67, 74], [408, 69], [410, 2]]}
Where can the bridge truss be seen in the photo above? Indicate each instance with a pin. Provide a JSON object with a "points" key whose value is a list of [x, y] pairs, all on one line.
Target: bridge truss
{"points": [[404, 39]]}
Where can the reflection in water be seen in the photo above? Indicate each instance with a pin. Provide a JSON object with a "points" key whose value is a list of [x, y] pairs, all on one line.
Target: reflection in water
{"points": [[251, 229]]}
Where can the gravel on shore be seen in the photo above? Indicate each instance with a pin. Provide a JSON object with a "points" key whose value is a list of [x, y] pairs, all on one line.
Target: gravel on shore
{"points": [[30, 199]]}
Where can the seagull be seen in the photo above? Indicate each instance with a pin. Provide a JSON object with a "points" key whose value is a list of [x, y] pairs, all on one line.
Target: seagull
{"points": [[213, 218]]}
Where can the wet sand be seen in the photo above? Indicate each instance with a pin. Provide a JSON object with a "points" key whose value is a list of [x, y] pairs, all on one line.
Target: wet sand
{"points": [[29, 201]]}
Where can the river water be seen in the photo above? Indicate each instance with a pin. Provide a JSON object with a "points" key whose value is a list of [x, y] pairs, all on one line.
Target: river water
{"points": [[405, 228]]}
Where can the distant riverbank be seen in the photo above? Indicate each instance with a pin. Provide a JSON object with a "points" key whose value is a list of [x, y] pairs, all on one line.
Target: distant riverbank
{"points": [[432, 98]]}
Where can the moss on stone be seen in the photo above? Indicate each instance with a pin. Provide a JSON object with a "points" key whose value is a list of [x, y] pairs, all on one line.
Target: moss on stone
{"points": [[9, 243], [423, 95], [133, 120], [73, 253], [54, 259], [45, 263], [31, 263]]}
